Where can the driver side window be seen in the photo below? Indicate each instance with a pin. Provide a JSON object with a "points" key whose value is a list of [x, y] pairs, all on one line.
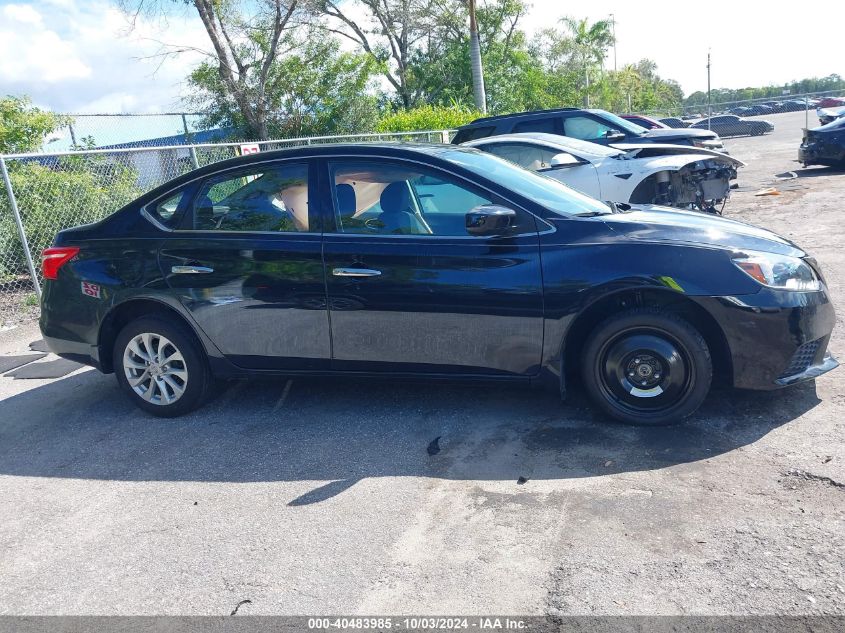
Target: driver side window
{"points": [[384, 199]]}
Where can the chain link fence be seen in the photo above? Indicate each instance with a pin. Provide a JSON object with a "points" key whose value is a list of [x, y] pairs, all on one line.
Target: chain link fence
{"points": [[86, 131], [41, 194], [750, 117]]}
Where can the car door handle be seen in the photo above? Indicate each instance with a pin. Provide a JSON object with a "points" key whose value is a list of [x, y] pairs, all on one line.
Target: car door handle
{"points": [[191, 270], [355, 272]]}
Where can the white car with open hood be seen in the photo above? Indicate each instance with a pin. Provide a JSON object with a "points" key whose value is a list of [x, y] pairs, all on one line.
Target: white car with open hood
{"points": [[671, 175]]}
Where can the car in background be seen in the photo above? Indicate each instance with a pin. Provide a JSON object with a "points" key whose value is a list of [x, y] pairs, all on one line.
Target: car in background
{"points": [[596, 126], [674, 122], [824, 145], [645, 122], [826, 115], [757, 110], [732, 125], [739, 110], [380, 261], [794, 105], [831, 102], [699, 181]]}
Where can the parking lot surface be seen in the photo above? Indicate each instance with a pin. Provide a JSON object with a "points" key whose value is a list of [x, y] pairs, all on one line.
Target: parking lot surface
{"points": [[331, 496]]}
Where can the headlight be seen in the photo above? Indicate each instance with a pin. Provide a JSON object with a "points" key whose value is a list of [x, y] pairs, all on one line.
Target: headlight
{"points": [[778, 271], [708, 144]]}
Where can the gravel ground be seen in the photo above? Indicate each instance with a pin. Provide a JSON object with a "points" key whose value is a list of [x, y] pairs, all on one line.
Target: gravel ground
{"points": [[320, 497]]}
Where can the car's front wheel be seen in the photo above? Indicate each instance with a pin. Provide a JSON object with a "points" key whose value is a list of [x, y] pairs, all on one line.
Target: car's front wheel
{"points": [[161, 366], [647, 366]]}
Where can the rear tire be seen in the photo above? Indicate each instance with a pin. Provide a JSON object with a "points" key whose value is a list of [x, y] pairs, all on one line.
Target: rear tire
{"points": [[161, 366], [646, 367]]}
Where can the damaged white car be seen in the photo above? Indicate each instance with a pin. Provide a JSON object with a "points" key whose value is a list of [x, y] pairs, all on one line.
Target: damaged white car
{"points": [[669, 175]]}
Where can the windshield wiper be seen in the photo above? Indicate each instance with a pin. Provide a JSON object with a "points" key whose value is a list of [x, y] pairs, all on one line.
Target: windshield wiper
{"points": [[592, 214]]}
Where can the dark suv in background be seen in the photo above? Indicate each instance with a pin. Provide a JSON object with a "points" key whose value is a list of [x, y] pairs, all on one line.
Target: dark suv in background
{"points": [[596, 126]]}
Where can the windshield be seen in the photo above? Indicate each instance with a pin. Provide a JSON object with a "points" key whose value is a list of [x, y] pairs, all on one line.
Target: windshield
{"points": [[620, 122], [550, 193]]}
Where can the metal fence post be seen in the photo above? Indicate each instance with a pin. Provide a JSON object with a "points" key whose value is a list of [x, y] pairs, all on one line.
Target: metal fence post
{"points": [[188, 142], [13, 203], [806, 112]]}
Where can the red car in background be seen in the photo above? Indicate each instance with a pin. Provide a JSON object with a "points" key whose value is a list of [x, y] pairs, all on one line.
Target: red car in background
{"points": [[828, 102], [644, 121]]}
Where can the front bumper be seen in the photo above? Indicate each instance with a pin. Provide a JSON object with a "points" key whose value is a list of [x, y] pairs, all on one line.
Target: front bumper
{"points": [[775, 338]]}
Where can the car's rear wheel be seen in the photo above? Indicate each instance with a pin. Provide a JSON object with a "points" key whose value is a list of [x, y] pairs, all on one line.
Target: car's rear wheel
{"points": [[647, 367], [161, 366]]}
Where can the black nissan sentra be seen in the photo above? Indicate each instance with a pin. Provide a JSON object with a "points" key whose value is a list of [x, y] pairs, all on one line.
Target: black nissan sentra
{"points": [[428, 261]]}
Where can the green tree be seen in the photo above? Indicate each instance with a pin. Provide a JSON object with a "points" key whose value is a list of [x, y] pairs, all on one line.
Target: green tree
{"points": [[427, 117], [52, 194], [247, 38], [315, 90], [23, 127], [589, 44], [392, 32]]}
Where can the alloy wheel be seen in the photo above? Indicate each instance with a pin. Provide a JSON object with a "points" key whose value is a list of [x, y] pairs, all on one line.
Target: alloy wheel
{"points": [[155, 368]]}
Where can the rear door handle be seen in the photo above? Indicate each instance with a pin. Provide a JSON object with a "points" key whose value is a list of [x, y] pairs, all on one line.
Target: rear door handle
{"points": [[191, 270], [355, 272]]}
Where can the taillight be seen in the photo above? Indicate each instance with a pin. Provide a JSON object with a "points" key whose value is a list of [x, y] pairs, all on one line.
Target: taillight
{"points": [[54, 258]]}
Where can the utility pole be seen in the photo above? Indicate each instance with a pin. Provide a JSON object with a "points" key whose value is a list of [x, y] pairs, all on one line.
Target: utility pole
{"points": [[475, 60], [613, 26], [709, 110]]}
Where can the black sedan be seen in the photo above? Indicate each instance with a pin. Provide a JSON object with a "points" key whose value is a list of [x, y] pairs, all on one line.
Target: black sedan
{"points": [[674, 123], [435, 261], [824, 145], [732, 125]]}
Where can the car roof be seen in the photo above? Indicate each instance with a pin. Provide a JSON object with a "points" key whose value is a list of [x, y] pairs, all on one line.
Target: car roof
{"points": [[527, 113], [564, 143], [393, 149]]}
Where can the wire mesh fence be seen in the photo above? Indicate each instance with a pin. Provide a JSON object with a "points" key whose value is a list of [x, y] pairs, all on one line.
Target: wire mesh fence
{"points": [[749, 117], [43, 194], [135, 130]]}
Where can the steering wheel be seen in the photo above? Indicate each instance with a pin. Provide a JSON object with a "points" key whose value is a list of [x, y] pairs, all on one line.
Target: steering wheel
{"points": [[374, 224]]}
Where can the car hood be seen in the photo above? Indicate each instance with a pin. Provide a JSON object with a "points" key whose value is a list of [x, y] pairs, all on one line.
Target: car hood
{"points": [[688, 153], [666, 135], [661, 224]]}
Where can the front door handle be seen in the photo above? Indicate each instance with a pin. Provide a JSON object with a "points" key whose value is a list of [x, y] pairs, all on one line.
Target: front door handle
{"points": [[355, 272], [191, 270]]}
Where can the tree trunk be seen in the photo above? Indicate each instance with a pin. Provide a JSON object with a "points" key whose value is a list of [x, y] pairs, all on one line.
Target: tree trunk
{"points": [[478, 91]]}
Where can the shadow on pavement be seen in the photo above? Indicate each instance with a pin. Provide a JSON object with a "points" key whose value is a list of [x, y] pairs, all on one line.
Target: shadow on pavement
{"points": [[812, 172], [341, 431]]}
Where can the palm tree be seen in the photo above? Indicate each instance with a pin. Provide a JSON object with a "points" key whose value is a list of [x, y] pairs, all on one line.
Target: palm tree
{"points": [[475, 61], [591, 42]]}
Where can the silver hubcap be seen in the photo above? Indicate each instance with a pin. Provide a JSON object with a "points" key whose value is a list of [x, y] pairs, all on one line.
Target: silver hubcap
{"points": [[155, 368]]}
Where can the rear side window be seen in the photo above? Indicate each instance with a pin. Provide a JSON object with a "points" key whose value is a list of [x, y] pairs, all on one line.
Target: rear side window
{"points": [[472, 133], [546, 126], [166, 211], [265, 198]]}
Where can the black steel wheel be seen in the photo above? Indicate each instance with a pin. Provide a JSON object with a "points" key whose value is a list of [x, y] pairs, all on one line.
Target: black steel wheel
{"points": [[647, 367]]}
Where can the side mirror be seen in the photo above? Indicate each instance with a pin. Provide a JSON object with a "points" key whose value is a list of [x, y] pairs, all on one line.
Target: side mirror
{"points": [[614, 135], [564, 160], [490, 219]]}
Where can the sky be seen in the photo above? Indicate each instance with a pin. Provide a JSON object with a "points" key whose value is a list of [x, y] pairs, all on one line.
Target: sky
{"points": [[79, 56]]}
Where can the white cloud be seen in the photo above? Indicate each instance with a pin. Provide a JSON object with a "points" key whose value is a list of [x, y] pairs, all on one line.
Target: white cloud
{"points": [[82, 57], [22, 13]]}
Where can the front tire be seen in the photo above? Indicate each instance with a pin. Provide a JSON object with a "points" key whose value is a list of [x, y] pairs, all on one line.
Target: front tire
{"points": [[647, 367], [161, 366]]}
